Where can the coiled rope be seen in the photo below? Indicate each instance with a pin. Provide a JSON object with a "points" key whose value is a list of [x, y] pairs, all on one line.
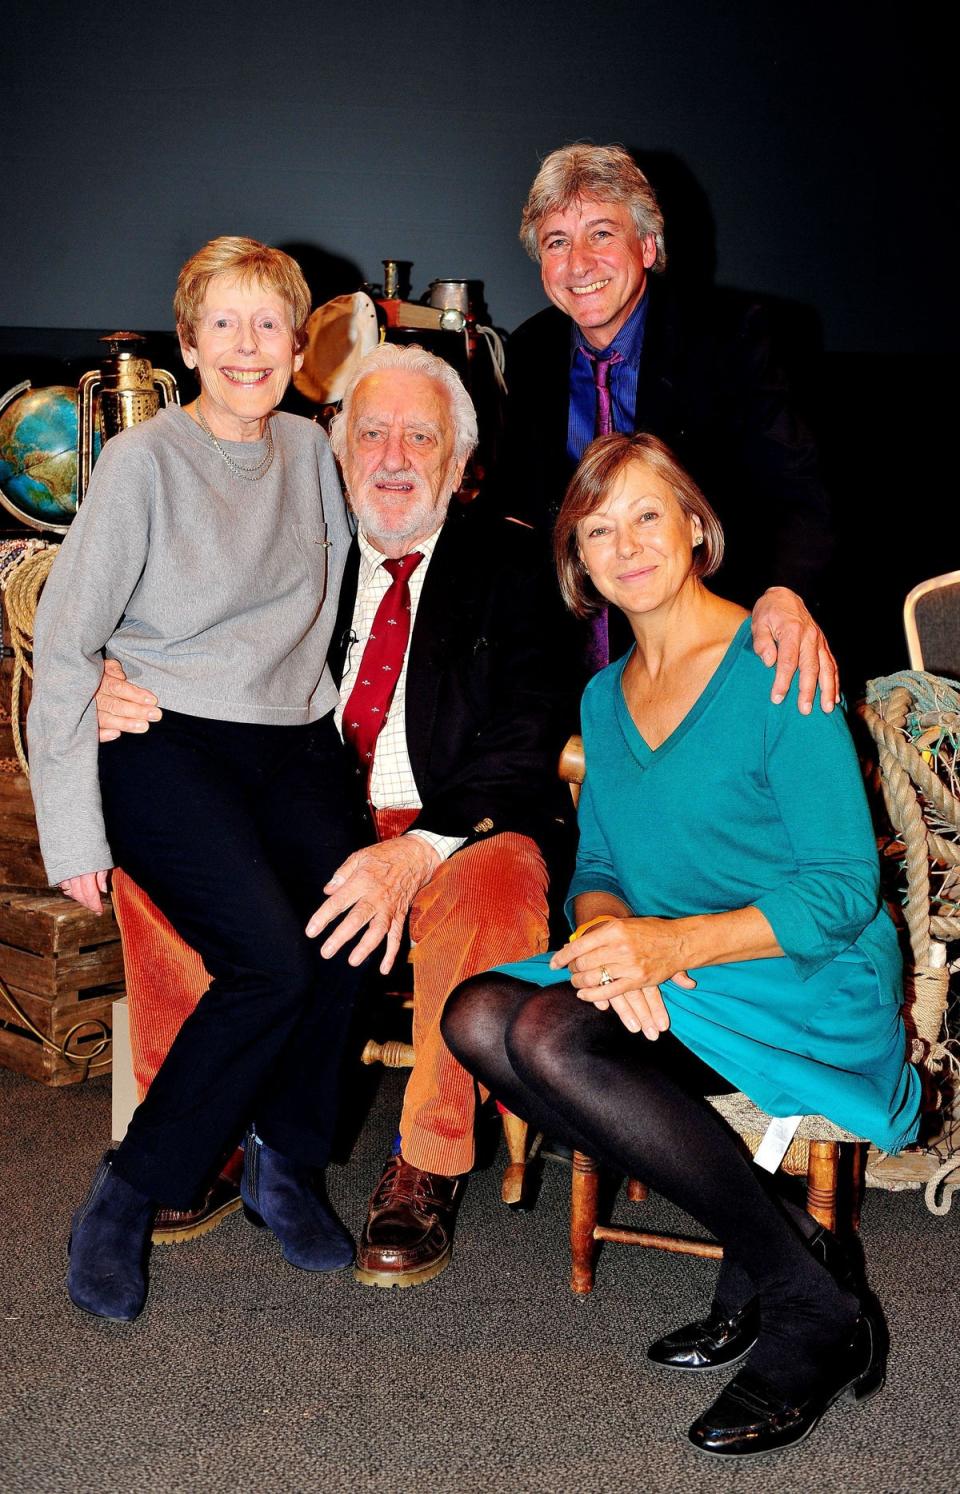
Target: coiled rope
{"points": [[912, 717], [22, 585]]}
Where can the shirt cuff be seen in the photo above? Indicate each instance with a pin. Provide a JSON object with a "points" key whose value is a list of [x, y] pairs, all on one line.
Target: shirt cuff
{"points": [[797, 932], [444, 845]]}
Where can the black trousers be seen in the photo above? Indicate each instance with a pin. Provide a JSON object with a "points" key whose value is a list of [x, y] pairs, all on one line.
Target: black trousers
{"points": [[233, 830]]}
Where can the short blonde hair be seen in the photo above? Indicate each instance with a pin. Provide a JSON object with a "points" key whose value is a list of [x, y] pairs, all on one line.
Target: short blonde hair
{"points": [[245, 260], [411, 359], [607, 173], [600, 465]]}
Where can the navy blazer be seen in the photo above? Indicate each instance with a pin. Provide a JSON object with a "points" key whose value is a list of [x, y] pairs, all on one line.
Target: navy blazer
{"points": [[491, 687], [710, 387]]}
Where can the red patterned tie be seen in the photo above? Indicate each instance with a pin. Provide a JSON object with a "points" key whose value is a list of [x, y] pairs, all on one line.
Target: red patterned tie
{"points": [[382, 661]]}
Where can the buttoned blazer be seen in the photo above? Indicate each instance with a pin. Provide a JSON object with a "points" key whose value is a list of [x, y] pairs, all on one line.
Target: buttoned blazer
{"points": [[711, 388], [492, 681]]}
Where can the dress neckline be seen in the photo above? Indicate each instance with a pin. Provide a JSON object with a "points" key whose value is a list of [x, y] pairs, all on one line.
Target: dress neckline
{"points": [[634, 738]]}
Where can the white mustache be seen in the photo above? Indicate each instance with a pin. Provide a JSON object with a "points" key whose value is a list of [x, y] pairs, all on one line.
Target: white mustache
{"points": [[408, 476]]}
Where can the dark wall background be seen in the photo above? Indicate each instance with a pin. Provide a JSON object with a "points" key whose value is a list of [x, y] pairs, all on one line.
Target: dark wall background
{"points": [[136, 132], [798, 145]]}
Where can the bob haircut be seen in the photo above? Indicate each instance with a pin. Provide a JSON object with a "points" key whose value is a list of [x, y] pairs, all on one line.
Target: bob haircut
{"points": [[607, 173], [600, 465], [245, 260], [416, 360]]}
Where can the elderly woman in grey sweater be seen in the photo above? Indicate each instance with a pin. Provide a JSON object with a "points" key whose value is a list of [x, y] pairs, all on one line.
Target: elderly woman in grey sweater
{"points": [[207, 560]]}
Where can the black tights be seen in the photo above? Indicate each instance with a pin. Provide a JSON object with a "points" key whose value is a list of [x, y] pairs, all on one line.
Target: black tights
{"points": [[577, 1074]]}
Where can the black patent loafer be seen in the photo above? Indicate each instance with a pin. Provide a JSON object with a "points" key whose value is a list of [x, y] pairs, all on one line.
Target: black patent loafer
{"points": [[711, 1343], [749, 1417], [724, 1338]]}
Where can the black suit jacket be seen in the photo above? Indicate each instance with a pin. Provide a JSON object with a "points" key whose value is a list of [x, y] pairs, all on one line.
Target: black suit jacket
{"points": [[490, 694], [710, 387]]}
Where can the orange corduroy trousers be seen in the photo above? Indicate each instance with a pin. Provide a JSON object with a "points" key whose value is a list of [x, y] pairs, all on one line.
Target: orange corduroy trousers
{"points": [[485, 906]]}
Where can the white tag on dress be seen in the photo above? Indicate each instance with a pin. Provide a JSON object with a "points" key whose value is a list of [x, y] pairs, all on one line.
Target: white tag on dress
{"points": [[778, 1136]]}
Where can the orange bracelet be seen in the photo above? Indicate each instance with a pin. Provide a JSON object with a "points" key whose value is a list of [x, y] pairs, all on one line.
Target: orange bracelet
{"points": [[591, 923]]}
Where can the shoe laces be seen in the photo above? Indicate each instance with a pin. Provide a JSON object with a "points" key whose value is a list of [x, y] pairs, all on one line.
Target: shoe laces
{"points": [[403, 1183]]}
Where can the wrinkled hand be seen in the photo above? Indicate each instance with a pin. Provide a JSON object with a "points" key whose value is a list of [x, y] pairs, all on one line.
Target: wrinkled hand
{"points": [[121, 706], [785, 634], [374, 889], [638, 953], [86, 889]]}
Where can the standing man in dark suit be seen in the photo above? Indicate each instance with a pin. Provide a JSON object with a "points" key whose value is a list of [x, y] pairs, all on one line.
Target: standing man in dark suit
{"points": [[456, 695], [618, 350]]}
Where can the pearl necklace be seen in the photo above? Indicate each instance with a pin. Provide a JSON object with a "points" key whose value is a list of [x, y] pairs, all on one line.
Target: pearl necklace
{"points": [[250, 474]]}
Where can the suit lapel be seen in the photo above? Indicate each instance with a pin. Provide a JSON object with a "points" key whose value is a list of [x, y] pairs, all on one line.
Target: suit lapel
{"points": [[655, 384], [441, 612]]}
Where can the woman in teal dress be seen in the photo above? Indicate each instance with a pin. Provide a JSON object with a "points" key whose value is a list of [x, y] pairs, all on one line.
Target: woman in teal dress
{"points": [[728, 934]]}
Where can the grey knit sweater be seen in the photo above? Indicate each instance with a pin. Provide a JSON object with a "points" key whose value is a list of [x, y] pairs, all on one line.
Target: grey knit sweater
{"points": [[216, 593]]}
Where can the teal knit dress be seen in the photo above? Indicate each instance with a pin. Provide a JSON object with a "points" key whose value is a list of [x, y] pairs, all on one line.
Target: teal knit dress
{"points": [[751, 804]]}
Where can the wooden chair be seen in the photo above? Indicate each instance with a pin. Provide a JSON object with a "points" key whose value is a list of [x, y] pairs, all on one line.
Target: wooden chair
{"points": [[832, 1160], [931, 621]]}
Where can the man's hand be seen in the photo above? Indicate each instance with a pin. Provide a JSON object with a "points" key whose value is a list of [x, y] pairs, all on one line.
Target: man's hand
{"points": [[122, 706], [86, 889], [785, 634], [377, 886]]}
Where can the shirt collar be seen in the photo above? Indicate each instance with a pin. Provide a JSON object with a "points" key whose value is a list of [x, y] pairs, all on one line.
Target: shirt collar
{"points": [[371, 557], [628, 341]]}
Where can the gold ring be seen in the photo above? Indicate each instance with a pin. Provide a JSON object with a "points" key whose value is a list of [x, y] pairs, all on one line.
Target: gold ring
{"points": [[606, 979]]}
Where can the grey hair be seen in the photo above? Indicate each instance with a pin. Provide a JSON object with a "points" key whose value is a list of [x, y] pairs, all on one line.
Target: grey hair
{"points": [[607, 173], [417, 360]]}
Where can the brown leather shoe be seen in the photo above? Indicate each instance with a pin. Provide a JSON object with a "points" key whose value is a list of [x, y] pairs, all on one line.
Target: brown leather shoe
{"points": [[175, 1226], [408, 1235]]}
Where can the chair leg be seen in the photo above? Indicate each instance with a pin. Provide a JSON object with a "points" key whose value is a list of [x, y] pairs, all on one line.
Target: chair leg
{"points": [[858, 1181], [584, 1205], [823, 1169], [515, 1132], [392, 1054], [637, 1192]]}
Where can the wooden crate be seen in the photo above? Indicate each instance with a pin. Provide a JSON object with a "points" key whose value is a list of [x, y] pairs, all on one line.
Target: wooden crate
{"points": [[20, 862], [63, 968]]}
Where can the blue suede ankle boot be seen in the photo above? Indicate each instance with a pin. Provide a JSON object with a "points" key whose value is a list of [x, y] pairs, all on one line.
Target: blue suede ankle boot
{"points": [[291, 1200], [108, 1248]]}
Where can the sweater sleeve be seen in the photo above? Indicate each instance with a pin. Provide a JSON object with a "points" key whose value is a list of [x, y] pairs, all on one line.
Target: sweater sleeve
{"points": [[82, 606], [813, 774]]}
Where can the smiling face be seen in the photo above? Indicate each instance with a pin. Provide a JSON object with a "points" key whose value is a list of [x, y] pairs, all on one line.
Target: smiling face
{"points": [[637, 546], [594, 265], [243, 354], [399, 464]]}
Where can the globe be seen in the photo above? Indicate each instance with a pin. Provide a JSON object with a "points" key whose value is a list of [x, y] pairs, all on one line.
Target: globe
{"points": [[38, 457]]}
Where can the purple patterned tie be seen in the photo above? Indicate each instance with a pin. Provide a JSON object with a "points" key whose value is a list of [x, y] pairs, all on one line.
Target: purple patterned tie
{"points": [[601, 378], [598, 649]]}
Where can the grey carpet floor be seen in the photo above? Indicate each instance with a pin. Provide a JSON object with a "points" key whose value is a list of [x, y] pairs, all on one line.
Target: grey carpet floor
{"points": [[244, 1374]]}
